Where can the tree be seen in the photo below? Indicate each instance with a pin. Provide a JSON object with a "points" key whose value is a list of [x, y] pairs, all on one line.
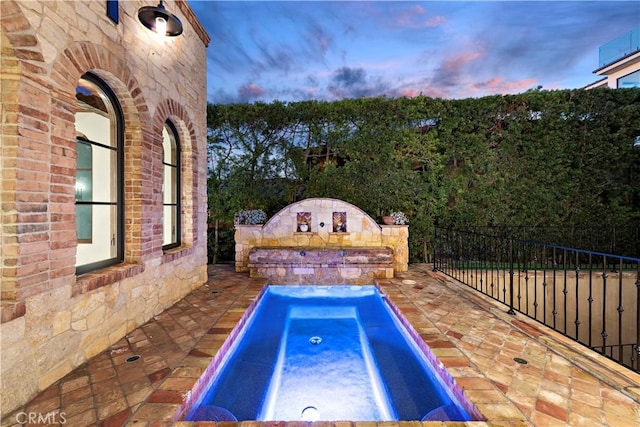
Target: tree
{"points": [[540, 158]]}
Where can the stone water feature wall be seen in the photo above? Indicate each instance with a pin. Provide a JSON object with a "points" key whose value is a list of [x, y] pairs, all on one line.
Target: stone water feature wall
{"points": [[321, 241]]}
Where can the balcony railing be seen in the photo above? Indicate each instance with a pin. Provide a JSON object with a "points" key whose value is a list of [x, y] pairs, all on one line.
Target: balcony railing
{"points": [[590, 297], [619, 47]]}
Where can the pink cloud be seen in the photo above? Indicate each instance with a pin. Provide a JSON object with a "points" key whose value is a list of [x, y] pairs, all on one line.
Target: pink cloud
{"points": [[412, 91], [498, 85], [414, 18], [458, 61], [466, 88], [409, 92], [250, 91], [436, 21]]}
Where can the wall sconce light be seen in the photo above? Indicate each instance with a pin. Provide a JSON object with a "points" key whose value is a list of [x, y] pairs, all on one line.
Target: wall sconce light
{"points": [[156, 18]]}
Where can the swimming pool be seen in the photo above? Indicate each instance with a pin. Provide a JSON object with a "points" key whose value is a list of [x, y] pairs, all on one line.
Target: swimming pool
{"points": [[327, 353]]}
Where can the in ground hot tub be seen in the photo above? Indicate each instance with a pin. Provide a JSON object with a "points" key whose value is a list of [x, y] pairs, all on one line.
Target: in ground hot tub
{"points": [[328, 353]]}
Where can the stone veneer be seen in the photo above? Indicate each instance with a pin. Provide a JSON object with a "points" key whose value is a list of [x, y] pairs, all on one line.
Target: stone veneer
{"points": [[302, 265], [52, 319], [281, 234]]}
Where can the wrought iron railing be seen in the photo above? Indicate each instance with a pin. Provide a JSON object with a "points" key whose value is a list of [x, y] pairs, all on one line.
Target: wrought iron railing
{"points": [[590, 297], [610, 239]]}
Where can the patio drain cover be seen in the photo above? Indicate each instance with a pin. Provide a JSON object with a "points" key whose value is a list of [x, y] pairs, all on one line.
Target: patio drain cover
{"points": [[132, 359]]}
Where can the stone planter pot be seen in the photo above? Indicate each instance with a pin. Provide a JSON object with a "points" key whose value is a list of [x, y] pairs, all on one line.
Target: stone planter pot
{"points": [[388, 220]]}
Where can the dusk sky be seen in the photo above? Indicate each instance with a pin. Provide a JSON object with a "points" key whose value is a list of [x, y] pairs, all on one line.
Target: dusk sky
{"points": [[302, 50]]}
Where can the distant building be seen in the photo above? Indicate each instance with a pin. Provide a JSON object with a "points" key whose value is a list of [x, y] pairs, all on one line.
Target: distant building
{"points": [[619, 62]]}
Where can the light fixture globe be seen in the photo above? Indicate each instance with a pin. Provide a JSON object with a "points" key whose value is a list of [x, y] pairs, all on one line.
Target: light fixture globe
{"points": [[156, 17]]}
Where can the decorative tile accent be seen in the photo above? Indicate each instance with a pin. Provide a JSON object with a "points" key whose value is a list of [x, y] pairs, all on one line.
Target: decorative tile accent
{"points": [[303, 221], [339, 222]]}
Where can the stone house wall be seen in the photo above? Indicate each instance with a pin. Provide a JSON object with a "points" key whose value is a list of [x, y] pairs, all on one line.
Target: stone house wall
{"points": [[52, 319], [282, 230]]}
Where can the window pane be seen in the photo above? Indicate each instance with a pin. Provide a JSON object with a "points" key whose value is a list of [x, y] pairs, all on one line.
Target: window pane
{"points": [[112, 10], [630, 80], [105, 163], [168, 147], [104, 238], [95, 118], [84, 223], [98, 185], [170, 216], [84, 185], [169, 176], [170, 187], [84, 155]]}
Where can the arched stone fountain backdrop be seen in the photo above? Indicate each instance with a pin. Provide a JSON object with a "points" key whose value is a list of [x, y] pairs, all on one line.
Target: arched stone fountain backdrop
{"points": [[321, 241]]}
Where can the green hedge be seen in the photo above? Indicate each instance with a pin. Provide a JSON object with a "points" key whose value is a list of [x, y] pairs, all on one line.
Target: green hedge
{"points": [[541, 158]]}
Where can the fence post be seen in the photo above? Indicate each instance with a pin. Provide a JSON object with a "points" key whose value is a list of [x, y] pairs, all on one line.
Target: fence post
{"points": [[435, 248], [635, 352], [511, 310], [604, 333]]}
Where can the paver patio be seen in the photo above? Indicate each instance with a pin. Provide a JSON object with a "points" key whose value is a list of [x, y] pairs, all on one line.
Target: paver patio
{"points": [[563, 382]]}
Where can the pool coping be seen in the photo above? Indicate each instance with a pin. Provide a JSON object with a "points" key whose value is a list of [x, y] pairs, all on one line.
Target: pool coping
{"points": [[167, 404], [220, 357]]}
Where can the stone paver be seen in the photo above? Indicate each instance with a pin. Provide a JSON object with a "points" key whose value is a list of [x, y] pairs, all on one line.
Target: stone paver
{"points": [[561, 384]]}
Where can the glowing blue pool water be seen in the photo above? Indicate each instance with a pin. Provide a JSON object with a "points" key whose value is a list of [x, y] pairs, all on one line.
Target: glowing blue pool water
{"points": [[325, 353]]}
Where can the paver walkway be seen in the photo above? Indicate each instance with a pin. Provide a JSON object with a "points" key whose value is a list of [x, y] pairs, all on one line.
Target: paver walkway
{"points": [[562, 383]]}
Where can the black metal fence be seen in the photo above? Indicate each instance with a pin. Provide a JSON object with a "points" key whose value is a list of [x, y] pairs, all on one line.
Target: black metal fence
{"points": [[591, 297], [610, 239]]}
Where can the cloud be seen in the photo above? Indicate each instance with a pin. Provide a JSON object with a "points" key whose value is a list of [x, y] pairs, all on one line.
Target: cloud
{"points": [[256, 39], [250, 91], [424, 89], [416, 17], [346, 76], [435, 21], [498, 85], [354, 83], [453, 69], [278, 58], [332, 50], [553, 38], [318, 39]]}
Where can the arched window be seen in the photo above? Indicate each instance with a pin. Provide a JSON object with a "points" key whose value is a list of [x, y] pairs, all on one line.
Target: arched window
{"points": [[171, 229], [99, 176]]}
